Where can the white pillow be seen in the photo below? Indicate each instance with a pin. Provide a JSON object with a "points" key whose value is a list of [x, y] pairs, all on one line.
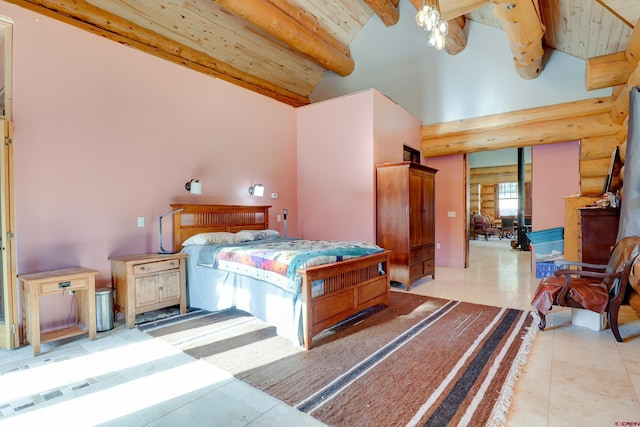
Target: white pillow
{"points": [[219, 237], [245, 236], [249, 235]]}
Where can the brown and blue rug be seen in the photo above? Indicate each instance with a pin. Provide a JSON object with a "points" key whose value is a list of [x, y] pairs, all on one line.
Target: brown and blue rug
{"points": [[422, 361]]}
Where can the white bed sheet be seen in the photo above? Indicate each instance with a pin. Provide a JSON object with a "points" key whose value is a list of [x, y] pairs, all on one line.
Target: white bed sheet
{"points": [[214, 290]]}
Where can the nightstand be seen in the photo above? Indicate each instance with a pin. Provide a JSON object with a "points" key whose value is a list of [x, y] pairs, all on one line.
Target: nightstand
{"points": [[78, 280], [148, 282]]}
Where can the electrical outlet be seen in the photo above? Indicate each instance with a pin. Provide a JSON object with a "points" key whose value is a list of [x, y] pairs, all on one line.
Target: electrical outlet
{"points": [[278, 218], [274, 195], [140, 221]]}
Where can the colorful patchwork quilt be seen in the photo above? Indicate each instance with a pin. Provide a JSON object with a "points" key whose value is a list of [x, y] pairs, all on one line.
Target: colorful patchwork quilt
{"points": [[277, 261]]}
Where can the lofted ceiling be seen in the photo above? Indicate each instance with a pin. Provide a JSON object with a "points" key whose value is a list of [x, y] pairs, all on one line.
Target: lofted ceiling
{"points": [[283, 48]]}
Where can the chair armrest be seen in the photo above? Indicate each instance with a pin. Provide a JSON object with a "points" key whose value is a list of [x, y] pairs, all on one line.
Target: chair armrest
{"points": [[581, 265]]}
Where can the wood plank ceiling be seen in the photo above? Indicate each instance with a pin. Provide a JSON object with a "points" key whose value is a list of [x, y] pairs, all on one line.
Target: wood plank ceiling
{"points": [[283, 48]]}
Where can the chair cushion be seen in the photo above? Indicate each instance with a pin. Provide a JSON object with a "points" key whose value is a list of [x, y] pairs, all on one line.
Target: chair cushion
{"points": [[585, 293]]}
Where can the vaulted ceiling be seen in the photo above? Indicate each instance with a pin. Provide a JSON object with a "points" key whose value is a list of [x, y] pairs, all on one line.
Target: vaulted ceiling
{"points": [[283, 48]]}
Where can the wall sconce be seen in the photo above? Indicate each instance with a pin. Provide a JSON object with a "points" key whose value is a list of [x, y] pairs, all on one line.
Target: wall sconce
{"points": [[163, 250], [194, 186], [257, 190]]}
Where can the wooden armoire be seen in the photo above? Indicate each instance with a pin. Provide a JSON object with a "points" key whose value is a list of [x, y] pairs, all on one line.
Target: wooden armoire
{"points": [[406, 219]]}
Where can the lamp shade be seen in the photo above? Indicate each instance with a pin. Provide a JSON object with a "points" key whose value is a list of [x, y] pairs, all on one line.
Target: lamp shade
{"points": [[256, 190], [194, 186]]}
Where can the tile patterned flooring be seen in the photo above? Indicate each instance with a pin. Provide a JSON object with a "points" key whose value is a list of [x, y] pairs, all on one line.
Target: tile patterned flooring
{"points": [[574, 375]]}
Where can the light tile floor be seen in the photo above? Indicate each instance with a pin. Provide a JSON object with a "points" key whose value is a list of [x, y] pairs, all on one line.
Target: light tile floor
{"points": [[574, 376]]}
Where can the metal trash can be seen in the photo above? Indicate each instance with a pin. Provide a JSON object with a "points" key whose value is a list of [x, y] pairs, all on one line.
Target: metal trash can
{"points": [[104, 309]]}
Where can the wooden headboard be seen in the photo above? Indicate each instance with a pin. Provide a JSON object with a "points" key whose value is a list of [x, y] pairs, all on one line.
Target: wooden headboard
{"points": [[194, 219]]}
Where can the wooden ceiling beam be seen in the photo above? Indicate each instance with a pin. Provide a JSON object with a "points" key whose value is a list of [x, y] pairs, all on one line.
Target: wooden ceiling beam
{"points": [[620, 109], [456, 38], [83, 15], [536, 126], [386, 11], [450, 9], [521, 21], [285, 28], [311, 24], [615, 68], [607, 70], [453, 8]]}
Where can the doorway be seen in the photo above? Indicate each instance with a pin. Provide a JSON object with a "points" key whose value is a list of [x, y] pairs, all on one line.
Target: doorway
{"points": [[492, 177]]}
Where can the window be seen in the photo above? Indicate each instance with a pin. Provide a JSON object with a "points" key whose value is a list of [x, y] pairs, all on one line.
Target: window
{"points": [[508, 198]]}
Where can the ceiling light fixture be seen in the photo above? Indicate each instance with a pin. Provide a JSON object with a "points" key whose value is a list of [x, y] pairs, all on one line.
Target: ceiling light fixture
{"points": [[430, 19]]}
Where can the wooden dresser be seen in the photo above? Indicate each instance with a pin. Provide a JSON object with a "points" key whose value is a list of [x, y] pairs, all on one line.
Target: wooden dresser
{"points": [[406, 219], [598, 233]]}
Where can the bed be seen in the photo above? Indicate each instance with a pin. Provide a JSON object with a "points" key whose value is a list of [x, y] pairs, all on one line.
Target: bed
{"points": [[327, 294]]}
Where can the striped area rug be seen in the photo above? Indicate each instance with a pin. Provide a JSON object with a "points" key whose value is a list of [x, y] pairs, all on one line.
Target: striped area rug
{"points": [[421, 361]]}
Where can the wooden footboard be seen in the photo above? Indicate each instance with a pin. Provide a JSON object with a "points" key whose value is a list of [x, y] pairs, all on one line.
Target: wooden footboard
{"points": [[349, 287]]}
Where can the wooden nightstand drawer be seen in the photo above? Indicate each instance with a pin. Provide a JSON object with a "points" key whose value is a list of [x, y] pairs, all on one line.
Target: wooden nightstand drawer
{"points": [[66, 285], [153, 267]]}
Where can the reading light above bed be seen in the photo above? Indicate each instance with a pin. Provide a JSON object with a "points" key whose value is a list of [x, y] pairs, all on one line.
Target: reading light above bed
{"points": [[257, 190], [194, 186], [162, 250]]}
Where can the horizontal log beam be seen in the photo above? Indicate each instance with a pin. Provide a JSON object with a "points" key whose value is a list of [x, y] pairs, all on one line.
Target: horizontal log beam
{"points": [[83, 15], [311, 24], [607, 70], [385, 9], [601, 147], [616, 68], [285, 28], [544, 125], [596, 168], [454, 8], [496, 174], [591, 186]]}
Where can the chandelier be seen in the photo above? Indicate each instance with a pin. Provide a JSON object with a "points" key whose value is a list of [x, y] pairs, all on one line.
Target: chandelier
{"points": [[429, 18]]}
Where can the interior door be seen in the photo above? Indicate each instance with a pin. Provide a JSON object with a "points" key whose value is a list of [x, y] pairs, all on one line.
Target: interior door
{"points": [[9, 337]]}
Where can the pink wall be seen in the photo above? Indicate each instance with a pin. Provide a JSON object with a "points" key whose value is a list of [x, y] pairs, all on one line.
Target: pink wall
{"points": [[450, 197], [555, 175], [393, 127], [339, 143], [335, 164], [105, 134]]}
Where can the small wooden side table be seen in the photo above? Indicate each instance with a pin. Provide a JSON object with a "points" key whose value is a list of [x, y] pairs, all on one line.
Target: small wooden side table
{"points": [[148, 282], [80, 280]]}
